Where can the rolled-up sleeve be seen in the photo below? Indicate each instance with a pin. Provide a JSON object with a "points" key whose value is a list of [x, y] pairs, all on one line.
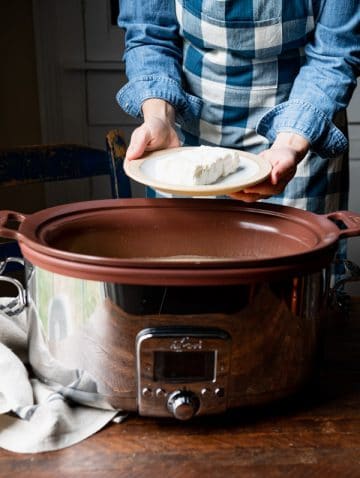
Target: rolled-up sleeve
{"points": [[325, 82], [153, 58]]}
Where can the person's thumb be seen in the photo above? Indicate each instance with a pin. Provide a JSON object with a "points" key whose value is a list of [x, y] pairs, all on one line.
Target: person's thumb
{"points": [[140, 138]]}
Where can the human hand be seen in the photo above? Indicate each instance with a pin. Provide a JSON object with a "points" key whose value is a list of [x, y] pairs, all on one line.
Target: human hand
{"points": [[157, 131], [284, 155]]}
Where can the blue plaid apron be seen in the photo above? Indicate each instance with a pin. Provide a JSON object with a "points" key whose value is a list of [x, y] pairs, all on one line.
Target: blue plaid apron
{"points": [[241, 59]]}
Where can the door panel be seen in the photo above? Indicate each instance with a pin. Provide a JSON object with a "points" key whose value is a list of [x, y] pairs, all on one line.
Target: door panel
{"points": [[103, 109], [104, 39]]}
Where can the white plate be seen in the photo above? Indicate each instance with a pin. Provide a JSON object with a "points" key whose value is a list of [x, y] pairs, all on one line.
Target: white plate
{"points": [[252, 170]]}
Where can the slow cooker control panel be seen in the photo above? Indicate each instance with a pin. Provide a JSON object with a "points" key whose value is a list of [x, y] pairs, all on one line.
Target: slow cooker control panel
{"points": [[182, 371]]}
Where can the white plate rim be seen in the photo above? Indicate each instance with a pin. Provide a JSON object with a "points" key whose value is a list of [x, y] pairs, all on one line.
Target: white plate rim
{"points": [[133, 170]]}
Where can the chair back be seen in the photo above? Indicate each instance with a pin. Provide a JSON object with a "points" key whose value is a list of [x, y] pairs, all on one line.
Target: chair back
{"points": [[116, 148], [65, 173]]}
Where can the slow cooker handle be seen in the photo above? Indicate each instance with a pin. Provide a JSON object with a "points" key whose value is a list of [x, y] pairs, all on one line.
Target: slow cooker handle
{"points": [[351, 221], [17, 304], [5, 218]]}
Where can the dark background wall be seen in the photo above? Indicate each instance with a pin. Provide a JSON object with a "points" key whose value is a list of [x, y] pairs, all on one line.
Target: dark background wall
{"points": [[19, 108]]}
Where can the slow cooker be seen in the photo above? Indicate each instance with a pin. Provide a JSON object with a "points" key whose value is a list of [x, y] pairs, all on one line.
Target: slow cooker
{"points": [[178, 307]]}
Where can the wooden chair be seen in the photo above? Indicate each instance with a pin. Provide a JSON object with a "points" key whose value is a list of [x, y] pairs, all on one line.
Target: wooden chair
{"points": [[53, 166], [116, 148]]}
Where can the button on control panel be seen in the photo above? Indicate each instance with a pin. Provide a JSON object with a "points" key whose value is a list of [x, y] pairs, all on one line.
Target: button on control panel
{"points": [[146, 392], [160, 393], [182, 371]]}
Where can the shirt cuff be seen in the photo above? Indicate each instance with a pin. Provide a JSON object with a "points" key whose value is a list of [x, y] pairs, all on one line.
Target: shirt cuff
{"points": [[308, 121], [136, 91]]}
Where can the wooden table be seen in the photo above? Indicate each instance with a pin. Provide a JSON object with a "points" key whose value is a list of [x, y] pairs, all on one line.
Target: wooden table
{"points": [[316, 434]]}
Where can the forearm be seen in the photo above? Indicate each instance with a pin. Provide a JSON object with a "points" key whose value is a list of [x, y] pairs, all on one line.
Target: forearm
{"points": [[328, 77], [158, 108], [153, 46], [293, 141], [325, 82], [153, 58]]}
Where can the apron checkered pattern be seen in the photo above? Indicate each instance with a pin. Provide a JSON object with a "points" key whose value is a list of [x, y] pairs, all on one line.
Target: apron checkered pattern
{"points": [[241, 58]]}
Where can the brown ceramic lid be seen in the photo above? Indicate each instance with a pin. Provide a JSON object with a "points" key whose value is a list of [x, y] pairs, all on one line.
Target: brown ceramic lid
{"points": [[179, 241]]}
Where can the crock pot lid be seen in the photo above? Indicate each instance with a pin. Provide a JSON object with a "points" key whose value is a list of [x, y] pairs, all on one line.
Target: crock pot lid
{"points": [[177, 233]]}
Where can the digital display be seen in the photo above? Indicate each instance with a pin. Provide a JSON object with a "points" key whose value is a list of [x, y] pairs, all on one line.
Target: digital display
{"points": [[182, 367]]}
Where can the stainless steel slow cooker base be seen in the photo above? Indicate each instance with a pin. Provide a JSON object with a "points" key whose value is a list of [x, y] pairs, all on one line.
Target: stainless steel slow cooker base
{"points": [[109, 344]]}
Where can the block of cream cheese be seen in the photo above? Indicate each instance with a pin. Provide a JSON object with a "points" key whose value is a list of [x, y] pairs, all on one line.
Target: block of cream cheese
{"points": [[201, 166]]}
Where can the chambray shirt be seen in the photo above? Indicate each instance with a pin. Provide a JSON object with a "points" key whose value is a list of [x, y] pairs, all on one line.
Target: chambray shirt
{"points": [[240, 71]]}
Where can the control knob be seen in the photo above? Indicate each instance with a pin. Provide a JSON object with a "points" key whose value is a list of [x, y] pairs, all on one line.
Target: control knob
{"points": [[183, 404]]}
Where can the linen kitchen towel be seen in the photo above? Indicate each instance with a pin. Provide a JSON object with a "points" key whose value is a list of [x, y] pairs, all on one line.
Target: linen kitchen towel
{"points": [[35, 416]]}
